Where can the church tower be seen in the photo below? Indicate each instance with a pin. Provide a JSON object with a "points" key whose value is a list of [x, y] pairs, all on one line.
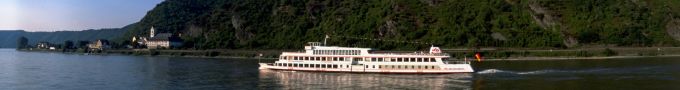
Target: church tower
{"points": [[152, 32]]}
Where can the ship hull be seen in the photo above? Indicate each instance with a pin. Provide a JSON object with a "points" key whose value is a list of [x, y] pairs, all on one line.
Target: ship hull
{"points": [[447, 69]]}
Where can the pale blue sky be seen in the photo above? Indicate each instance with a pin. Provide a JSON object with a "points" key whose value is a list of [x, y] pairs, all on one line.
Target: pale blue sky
{"points": [[59, 15]]}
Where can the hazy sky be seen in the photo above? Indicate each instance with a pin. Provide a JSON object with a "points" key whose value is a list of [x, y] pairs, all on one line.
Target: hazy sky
{"points": [[59, 15]]}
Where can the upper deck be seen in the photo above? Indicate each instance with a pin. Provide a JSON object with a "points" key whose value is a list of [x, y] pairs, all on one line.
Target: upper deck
{"points": [[314, 49]]}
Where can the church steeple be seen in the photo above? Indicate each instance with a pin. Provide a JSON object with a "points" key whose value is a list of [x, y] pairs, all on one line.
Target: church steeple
{"points": [[152, 32]]}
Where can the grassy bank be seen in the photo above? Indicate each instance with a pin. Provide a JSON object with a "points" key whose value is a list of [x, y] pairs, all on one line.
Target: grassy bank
{"points": [[577, 53], [488, 53], [200, 53]]}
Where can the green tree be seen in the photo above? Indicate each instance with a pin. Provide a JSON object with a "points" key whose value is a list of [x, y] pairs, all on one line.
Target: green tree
{"points": [[68, 44], [22, 43]]}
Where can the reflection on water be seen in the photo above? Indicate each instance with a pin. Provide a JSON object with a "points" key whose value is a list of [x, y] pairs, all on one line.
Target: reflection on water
{"points": [[319, 80]]}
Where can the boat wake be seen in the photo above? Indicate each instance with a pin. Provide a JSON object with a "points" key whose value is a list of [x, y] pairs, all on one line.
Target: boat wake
{"points": [[547, 71], [652, 69]]}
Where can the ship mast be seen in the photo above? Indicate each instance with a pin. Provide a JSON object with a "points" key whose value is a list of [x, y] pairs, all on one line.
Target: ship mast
{"points": [[325, 39]]}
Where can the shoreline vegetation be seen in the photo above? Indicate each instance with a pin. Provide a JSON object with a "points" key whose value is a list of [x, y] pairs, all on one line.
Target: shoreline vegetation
{"points": [[489, 54]]}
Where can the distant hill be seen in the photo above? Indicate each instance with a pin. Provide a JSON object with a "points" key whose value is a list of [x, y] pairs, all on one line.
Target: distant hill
{"points": [[9, 37], [286, 24]]}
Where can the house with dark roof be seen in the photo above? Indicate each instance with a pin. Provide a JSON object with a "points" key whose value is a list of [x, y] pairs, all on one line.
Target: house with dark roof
{"points": [[162, 40]]}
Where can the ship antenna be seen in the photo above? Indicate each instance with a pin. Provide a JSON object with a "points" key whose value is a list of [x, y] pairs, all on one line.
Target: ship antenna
{"points": [[325, 39]]}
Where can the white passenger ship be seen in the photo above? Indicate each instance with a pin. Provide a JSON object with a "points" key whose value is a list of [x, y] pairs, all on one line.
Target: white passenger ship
{"points": [[363, 60]]}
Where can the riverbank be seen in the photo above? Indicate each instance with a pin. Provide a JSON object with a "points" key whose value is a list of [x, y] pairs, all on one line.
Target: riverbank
{"points": [[489, 54]]}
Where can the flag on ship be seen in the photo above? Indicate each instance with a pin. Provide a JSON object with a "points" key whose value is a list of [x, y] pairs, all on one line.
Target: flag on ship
{"points": [[478, 57]]}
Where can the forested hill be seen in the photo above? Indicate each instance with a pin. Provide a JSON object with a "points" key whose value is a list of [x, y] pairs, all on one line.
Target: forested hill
{"points": [[288, 24], [9, 38]]}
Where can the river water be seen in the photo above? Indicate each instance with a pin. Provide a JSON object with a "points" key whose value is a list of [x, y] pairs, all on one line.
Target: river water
{"points": [[56, 71]]}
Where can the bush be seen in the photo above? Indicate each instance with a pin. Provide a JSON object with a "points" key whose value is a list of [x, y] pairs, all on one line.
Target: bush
{"points": [[583, 54], [609, 52]]}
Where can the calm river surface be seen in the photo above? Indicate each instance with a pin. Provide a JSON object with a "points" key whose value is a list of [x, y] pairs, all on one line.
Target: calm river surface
{"points": [[55, 71]]}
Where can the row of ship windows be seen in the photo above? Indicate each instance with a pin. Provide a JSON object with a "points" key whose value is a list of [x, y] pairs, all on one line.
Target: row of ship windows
{"points": [[315, 58], [337, 52], [402, 66], [310, 65], [365, 66], [360, 59]]}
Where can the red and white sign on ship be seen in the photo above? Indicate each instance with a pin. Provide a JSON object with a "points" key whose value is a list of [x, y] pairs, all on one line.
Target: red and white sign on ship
{"points": [[435, 50]]}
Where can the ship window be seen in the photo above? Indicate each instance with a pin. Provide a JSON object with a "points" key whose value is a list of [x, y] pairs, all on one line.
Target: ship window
{"points": [[380, 66], [413, 59], [373, 66], [347, 66], [366, 66], [342, 58], [335, 66], [306, 58], [399, 59], [373, 59], [380, 59], [420, 60]]}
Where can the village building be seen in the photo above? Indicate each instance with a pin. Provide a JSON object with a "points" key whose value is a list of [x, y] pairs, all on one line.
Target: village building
{"points": [[43, 45], [99, 45], [160, 40]]}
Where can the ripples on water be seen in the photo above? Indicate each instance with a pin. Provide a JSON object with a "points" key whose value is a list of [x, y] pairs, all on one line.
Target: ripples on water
{"points": [[52, 71]]}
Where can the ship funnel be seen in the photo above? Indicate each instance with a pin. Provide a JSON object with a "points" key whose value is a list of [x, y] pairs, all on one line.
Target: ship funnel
{"points": [[435, 50]]}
